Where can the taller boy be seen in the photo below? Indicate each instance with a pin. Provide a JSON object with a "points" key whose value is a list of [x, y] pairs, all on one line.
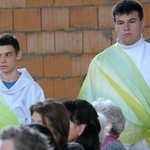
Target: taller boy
{"points": [[121, 73]]}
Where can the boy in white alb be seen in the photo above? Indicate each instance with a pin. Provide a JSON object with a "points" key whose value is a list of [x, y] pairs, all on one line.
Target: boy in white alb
{"points": [[17, 87]]}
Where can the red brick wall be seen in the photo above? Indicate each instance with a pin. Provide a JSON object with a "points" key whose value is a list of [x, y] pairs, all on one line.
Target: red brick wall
{"points": [[60, 37]]}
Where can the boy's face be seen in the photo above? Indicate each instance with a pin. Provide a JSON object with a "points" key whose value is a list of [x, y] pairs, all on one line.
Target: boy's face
{"points": [[8, 59], [128, 28]]}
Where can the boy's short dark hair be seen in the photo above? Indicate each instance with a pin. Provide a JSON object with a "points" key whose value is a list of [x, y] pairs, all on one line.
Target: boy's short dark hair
{"points": [[127, 7], [9, 39]]}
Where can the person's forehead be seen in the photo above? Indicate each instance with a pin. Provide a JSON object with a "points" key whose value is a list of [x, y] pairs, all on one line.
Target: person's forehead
{"points": [[127, 16], [7, 145], [6, 49]]}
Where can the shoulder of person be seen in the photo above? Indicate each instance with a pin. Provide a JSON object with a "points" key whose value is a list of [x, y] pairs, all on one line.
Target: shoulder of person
{"points": [[116, 144], [74, 146]]}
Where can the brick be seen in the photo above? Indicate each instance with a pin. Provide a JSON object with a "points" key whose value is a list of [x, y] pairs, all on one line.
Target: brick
{"points": [[27, 19], [66, 88], [105, 17], [95, 42], [68, 42], [35, 3], [114, 36], [33, 65], [48, 87], [40, 42], [83, 16], [22, 37], [146, 8], [12, 3], [6, 20], [55, 18], [68, 2], [146, 32], [114, 2], [80, 64], [143, 1], [57, 66], [95, 2]]}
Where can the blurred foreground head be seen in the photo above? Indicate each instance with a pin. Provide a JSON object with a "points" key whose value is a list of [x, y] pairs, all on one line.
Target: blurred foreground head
{"points": [[23, 138]]}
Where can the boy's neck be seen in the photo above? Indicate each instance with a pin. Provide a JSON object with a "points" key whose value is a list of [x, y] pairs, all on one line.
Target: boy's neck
{"points": [[7, 77]]}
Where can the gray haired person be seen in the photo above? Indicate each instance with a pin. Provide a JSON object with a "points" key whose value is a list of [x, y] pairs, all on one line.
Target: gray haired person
{"points": [[23, 138], [114, 125]]}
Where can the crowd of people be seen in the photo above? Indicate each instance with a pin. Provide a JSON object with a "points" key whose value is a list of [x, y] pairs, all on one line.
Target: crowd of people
{"points": [[112, 110]]}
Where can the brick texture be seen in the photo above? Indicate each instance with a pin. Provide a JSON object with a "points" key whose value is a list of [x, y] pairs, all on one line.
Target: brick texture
{"points": [[59, 38], [34, 65], [58, 66], [68, 2], [80, 64], [146, 32], [27, 19], [55, 18], [40, 42], [6, 24], [83, 16], [105, 17], [12, 3], [95, 2], [146, 14], [68, 42], [95, 42], [34, 3], [48, 86], [68, 86]]}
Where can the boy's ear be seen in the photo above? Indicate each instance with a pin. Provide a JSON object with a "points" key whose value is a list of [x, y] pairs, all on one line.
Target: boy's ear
{"points": [[142, 23], [19, 54]]}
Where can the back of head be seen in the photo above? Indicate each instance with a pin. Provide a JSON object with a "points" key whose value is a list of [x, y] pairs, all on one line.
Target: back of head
{"points": [[9, 40], [25, 138], [127, 7], [113, 114], [44, 130], [82, 112], [74, 146]]}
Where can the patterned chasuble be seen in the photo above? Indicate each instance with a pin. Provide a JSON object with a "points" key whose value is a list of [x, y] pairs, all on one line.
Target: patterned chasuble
{"points": [[113, 75]]}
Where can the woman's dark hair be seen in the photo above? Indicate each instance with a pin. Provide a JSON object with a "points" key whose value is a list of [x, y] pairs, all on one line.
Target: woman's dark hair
{"points": [[56, 118], [82, 112]]}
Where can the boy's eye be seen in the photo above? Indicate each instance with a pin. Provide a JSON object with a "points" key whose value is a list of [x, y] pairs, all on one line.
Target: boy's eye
{"points": [[119, 23], [132, 21], [9, 54]]}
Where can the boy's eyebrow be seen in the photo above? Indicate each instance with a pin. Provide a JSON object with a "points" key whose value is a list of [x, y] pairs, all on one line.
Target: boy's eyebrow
{"points": [[133, 19], [8, 52], [128, 20]]}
